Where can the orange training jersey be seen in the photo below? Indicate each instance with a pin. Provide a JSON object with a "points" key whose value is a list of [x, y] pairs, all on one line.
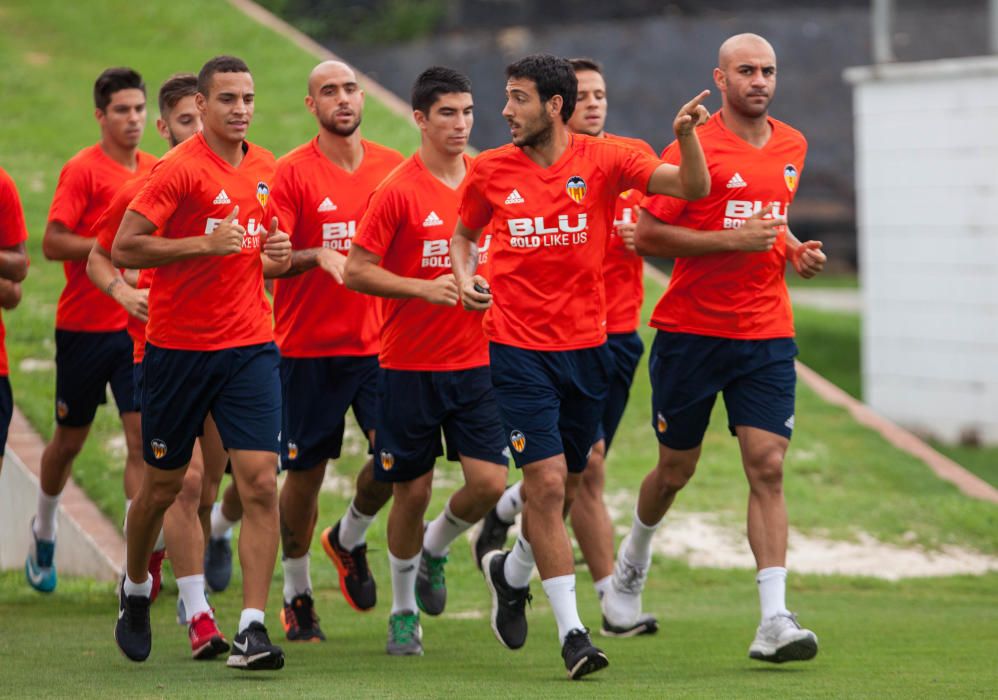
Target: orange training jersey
{"points": [[12, 232], [319, 204], [550, 228], [409, 223], [623, 271], [105, 230], [733, 295], [86, 185], [211, 302]]}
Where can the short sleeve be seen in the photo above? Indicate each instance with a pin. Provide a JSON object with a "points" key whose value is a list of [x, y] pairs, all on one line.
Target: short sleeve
{"points": [[161, 195], [71, 195], [12, 228], [106, 227], [285, 200], [634, 168], [381, 220], [664, 207], [474, 211]]}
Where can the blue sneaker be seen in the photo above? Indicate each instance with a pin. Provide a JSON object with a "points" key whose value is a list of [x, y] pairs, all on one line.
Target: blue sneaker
{"points": [[182, 610], [39, 567], [218, 563]]}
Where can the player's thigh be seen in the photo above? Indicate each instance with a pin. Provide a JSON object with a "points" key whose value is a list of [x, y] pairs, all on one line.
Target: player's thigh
{"points": [[627, 349], [316, 394], [409, 419], [472, 426], [763, 396], [247, 406], [84, 363], [122, 374], [586, 383]]}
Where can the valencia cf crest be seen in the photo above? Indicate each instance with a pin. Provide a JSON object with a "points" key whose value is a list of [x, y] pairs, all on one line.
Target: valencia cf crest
{"points": [[790, 176], [660, 423], [387, 460], [158, 448], [292, 450], [518, 440], [262, 193], [61, 409], [576, 188]]}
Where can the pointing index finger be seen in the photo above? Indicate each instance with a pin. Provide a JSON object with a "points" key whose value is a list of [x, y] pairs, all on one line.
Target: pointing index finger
{"points": [[692, 104]]}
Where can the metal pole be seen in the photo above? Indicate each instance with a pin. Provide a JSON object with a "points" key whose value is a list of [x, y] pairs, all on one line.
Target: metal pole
{"points": [[993, 25], [883, 19]]}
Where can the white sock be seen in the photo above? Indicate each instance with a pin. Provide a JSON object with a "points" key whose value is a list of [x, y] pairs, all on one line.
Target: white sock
{"points": [[128, 507], [560, 591], [602, 585], [220, 525], [510, 504], [248, 617], [772, 590], [446, 528], [296, 577], [143, 589], [519, 564], [192, 593], [160, 542], [45, 524], [403, 583], [353, 527], [638, 549]]}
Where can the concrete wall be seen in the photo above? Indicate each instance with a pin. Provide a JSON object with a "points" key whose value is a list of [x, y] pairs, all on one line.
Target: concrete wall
{"points": [[927, 215]]}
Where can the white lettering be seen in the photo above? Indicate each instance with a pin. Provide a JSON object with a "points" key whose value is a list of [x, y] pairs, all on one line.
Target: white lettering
{"points": [[338, 230]]}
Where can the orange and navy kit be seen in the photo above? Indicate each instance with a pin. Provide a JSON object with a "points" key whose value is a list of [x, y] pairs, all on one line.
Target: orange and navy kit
{"points": [[13, 232]]}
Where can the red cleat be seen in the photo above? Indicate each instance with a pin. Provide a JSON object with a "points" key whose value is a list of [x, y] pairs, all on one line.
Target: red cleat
{"points": [[156, 572], [206, 641]]}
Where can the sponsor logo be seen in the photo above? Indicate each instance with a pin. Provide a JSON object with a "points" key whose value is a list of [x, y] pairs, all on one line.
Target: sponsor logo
{"points": [[576, 188], [262, 193], [253, 230], [387, 460], [432, 220], [158, 448], [737, 210], [518, 440], [790, 176], [626, 217], [292, 450], [537, 232], [789, 423], [327, 205], [338, 235], [241, 646], [436, 252], [221, 198], [736, 181], [61, 408], [37, 575], [514, 198], [661, 425]]}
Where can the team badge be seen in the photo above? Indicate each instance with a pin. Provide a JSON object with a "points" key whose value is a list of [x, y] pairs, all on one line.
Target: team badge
{"points": [[660, 423], [61, 409], [790, 176], [518, 440], [262, 193], [292, 450], [387, 460], [576, 188], [158, 448]]}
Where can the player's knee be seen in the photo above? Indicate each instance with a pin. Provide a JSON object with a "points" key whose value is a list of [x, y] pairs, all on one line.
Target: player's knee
{"points": [[765, 469], [190, 490], [487, 488], [674, 475], [547, 491], [259, 489], [414, 495]]}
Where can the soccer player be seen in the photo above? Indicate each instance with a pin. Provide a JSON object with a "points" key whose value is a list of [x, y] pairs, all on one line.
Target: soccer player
{"points": [[13, 270], [92, 347], [328, 337], [550, 196], [624, 280], [203, 220], [433, 354], [725, 325]]}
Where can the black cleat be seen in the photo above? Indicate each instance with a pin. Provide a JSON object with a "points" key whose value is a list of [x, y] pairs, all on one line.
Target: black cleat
{"points": [[581, 657], [491, 536], [132, 631], [356, 582], [252, 650], [509, 619], [218, 563], [300, 622], [646, 624]]}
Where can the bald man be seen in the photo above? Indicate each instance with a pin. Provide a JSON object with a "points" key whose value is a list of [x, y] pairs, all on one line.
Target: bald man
{"points": [[329, 340], [725, 326]]}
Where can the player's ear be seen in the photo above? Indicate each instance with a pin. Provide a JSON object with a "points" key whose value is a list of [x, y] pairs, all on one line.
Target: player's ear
{"points": [[419, 118], [554, 105], [162, 128], [200, 101], [719, 79]]}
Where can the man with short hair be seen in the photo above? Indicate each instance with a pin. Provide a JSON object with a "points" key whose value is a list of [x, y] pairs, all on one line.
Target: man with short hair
{"points": [[725, 325], [550, 197], [209, 344], [92, 347], [328, 337]]}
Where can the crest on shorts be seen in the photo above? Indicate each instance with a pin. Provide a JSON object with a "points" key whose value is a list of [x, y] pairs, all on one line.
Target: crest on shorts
{"points": [[660, 423], [262, 193], [576, 188], [387, 460], [518, 440], [790, 176], [61, 409], [158, 448], [292, 450]]}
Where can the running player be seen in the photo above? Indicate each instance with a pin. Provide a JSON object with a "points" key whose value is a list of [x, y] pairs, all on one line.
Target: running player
{"points": [[92, 346], [725, 325], [13, 270], [550, 196], [209, 344], [433, 354], [328, 337]]}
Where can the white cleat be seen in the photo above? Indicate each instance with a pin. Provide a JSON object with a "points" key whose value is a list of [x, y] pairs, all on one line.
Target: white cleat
{"points": [[781, 638], [622, 603]]}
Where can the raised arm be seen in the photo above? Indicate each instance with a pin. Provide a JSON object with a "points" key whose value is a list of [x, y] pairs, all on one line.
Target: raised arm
{"points": [[363, 273], [476, 294], [654, 237], [135, 246], [690, 179]]}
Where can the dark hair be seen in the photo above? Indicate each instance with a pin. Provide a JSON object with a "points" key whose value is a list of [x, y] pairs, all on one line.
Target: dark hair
{"points": [[552, 75], [177, 87], [111, 81], [436, 81], [219, 64], [579, 64]]}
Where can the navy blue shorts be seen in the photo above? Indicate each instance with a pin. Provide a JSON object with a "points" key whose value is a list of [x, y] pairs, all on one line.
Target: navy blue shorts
{"points": [[626, 349], [551, 402], [414, 406], [85, 363], [757, 377], [6, 411], [316, 394], [241, 387], [137, 386]]}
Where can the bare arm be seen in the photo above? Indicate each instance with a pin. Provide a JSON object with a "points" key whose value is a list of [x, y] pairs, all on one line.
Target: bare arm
{"points": [[14, 263], [135, 246], [654, 237], [60, 243], [363, 274], [807, 258], [690, 179], [464, 262], [276, 251], [327, 259], [10, 294], [109, 280]]}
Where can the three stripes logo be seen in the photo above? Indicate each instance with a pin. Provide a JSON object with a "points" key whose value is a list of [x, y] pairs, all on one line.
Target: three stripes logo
{"points": [[158, 448], [736, 181], [518, 440], [514, 198]]}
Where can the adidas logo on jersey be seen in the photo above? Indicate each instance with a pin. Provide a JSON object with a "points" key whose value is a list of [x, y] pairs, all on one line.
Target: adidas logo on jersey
{"points": [[433, 220], [327, 205], [514, 198], [736, 181], [221, 198]]}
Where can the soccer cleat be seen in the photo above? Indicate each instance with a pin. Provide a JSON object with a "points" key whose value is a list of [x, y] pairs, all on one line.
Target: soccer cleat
{"points": [[491, 536], [132, 631], [646, 624], [252, 650], [581, 657], [509, 619], [301, 624], [405, 635], [781, 638], [156, 572], [39, 566], [622, 603], [206, 641], [218, 563], [431, 586], [356, 581]]}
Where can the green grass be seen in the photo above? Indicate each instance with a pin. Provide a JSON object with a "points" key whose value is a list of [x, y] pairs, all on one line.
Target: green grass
{"points": [[829, 343], [982, 461]]}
